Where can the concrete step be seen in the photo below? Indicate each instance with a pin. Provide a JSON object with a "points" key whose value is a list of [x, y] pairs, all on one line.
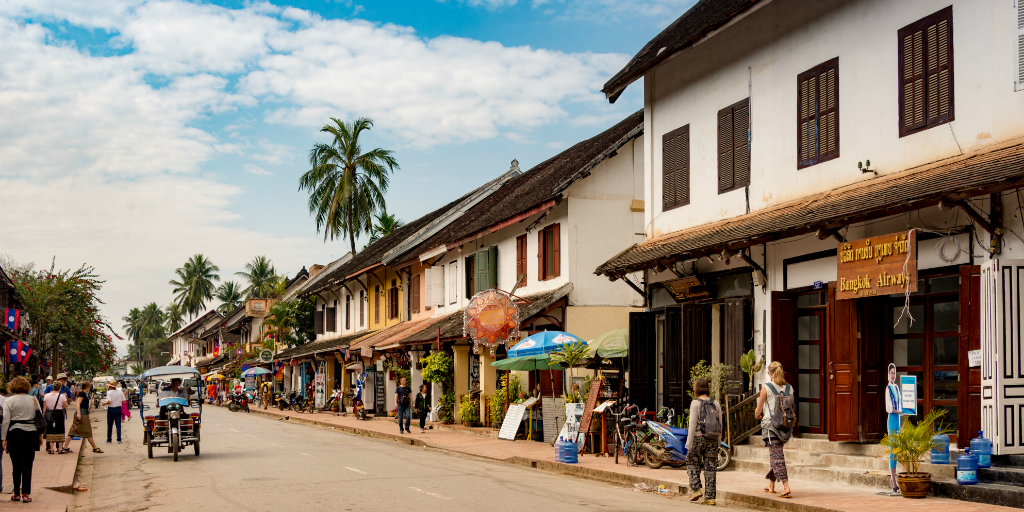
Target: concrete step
{"points": [[989, 494], [1013, 476], [819, 473], [822, 444], [1010, 461], [861, 463]]}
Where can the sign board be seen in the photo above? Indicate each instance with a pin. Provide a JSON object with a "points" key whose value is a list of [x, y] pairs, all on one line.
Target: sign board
{"points": [[818, 285], [266, 355], [379, 392], [320, 388], [530, 401], [366, 352], [573, 417], [552, 417], [604, 406], [973, 358], [908, 390], [588, 411], [687, 288], [880, 265], [513, 417]]}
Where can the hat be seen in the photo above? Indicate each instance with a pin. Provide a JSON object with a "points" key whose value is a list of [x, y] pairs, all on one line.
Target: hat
{"points": [[62, 376], [49, 377]]}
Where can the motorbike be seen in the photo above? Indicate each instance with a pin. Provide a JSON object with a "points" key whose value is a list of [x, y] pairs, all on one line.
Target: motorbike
{"points": [[239, 401], [665, 444]]}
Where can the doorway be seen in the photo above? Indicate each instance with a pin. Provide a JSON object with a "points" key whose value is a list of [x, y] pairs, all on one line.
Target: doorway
{"points": [[810, 334]]}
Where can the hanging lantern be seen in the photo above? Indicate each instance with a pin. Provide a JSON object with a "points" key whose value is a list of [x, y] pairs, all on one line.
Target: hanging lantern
{"points": [[491, 318]]}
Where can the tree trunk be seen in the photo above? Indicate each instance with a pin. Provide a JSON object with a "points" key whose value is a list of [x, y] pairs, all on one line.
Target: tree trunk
{"points": [[351, 227]]}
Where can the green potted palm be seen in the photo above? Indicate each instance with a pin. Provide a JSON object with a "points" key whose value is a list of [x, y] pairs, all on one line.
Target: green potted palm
{"points": [[469, 411], [909, 446]]}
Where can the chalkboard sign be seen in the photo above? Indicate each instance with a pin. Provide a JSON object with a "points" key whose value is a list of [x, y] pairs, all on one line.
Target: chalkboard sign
{"points": [[513, 418], [588, 412], [379, 393], [552, 416]]}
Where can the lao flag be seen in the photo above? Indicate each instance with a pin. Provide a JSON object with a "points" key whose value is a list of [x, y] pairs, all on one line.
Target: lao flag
{"points": [[277, 369], [18, 351], [12, 318]]}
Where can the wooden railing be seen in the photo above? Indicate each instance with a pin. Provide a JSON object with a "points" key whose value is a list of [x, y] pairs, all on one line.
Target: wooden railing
{"points": [[740, 423]]}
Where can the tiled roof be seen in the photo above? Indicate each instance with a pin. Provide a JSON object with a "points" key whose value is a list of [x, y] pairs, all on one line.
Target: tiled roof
{"points": [[395, 334], [322, 345], [699, 20], [987, 171]]}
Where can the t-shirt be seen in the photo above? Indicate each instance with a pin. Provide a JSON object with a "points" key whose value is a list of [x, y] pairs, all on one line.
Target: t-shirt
{"points": [[55, 401], [116, 398], [84, 406], [403, 393], [64, 390]]}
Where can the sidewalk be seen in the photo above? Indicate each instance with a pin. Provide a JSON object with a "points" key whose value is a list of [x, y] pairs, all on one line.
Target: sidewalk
{"points": [[52, 478], [737, 487]]}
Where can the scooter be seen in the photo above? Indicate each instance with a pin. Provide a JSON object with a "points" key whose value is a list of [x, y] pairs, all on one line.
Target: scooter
{"points": [[664, 444], [239, 401]]}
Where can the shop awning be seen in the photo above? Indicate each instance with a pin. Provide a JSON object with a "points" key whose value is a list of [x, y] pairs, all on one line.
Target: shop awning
{"points": [[325, 345], [393, 336], [991, 170]]}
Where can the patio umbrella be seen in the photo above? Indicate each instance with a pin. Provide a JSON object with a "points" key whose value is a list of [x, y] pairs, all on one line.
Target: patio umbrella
{"points": [[527, 363], [542, 343], [255, 372], [614, 343]]}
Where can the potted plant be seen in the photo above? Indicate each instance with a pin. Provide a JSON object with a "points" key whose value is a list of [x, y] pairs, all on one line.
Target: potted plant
{"points": [[469, 411], [909, 446], [750, 365], [446, 407], [393, 412], [334, 407]]}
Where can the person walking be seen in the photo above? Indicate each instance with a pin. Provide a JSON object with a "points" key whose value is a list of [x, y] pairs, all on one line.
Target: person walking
{"points": [[402, 394], [705, 427], [55, 404], [37, 392], [113, 402], [774, 437], [126, 411], [422, 407], [80, 425], [20, 437]]}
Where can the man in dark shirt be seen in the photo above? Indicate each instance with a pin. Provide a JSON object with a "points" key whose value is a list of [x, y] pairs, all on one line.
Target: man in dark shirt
{"points": [[402, 394]]}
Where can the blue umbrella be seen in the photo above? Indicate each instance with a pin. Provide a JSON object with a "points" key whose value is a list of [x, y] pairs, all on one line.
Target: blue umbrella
{"points": [[253, 372], [542, 343]]}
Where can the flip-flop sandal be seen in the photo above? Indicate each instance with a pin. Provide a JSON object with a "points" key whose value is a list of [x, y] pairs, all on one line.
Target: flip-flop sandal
{"points": [[15, 497], [26, 499], [97, 450], [786, 495], [768, 490]]}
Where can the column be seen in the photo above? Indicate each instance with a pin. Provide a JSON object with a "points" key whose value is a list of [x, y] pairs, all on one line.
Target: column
{"points": [[330, 375], [488, 381], [417, 375], [389, 390], [461, 374]]}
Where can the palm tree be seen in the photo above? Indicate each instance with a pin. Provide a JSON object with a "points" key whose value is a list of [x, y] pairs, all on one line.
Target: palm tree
{"points": [[173, 317], [132, 324], [386, 223], [346, 186], [260, 275], [194, 285], [151, 322], [230, 296]]}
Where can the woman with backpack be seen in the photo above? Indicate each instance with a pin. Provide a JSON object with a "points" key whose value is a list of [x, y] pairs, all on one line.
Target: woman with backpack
{"points": [[778, 395], [705, 431]]}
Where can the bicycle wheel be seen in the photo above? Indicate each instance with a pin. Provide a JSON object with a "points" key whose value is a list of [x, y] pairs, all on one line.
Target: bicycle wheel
{"points": [[617, 437]]}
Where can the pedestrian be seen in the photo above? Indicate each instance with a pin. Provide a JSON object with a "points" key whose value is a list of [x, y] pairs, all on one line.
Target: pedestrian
{"points": [[62, 378], [774, 437], [55, 404], [80, 425], [126, 411], [3, 400], [402, 393], [113, 402], [705, 427], [37, 392], [49, 385], [20, 437], [422, 406]]}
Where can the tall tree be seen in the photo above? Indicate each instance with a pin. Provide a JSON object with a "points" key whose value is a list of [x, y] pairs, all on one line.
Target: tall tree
{"points": [[384, 225], [230, 296], [151, 320], [194, 285], [260, 276], [132, 324], [346, 186], [174, 317]]}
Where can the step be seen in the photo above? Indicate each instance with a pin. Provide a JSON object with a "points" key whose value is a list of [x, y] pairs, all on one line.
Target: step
{"points": [[989, 494], [1012, 461], [854, 462], [1013, 476], [822, 444], [818, 473]]}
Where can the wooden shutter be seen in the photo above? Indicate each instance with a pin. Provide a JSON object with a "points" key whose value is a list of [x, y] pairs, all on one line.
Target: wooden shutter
{"points": [[733, 146], [376, 304], [969, 389], [926, 72], [492, 266], [453, 282], [318, 322], [557, 251], [873, 363], [521, 259], [470, 275], [348, 312], [482, 270], [437, 286], [696, 336], [643, 360], [784, 344], [332, 319], [393, 301], [675, 385], [414, 293], [725, 147], [737, 338], [675, 166], [1018, 49], [540, 255], [818, 114], [362, 309]]}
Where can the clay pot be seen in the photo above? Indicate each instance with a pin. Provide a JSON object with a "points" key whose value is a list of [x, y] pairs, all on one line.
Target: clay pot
{"points": [[914, 486], [467, 423]]}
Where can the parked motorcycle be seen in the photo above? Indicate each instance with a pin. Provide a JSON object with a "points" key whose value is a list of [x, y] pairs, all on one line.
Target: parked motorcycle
{"points": [[664, 444], [239, 401]]}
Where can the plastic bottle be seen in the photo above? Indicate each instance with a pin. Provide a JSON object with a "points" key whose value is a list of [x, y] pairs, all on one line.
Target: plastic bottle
{"points": [[560, 450], [967, 468], [571, 452], [940, 449], [983, 449]]}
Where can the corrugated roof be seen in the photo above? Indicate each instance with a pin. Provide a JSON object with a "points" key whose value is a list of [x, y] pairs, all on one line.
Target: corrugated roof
{"points": [[395, 334], [322, 345], [704, 17], [994, 169]]}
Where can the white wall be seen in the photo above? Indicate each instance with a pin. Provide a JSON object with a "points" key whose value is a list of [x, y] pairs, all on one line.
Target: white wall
{"points": [[760, 57]]}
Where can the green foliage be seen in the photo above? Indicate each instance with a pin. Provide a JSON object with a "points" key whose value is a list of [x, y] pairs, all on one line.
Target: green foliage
{"points": [[912, 442], [260, 276], [469, 409], [439, 367], [570, 355], [717, 375], [446, 407], [578, 393], [498, 398], [386, 223], [750, 365], [194, 285], [289, 323], [174, 318], [230, 296], [137, 369]]}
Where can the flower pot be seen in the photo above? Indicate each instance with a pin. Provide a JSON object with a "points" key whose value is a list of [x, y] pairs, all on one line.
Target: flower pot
{"points": [[467, 423], [914, 486], [392, 414]]}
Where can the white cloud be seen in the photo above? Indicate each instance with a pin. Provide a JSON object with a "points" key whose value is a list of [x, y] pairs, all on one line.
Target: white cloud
{"points": [[258, 171], [556, 145]]}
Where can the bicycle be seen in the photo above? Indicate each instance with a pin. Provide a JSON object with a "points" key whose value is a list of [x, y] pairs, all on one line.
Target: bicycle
{"points": [[619, 438]]}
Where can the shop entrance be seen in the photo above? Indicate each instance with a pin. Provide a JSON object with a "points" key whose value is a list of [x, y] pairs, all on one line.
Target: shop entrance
{"points": [[800, 327]]}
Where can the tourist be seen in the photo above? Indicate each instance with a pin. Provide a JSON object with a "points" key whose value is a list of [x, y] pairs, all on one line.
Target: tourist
{"points": [[113, 402], [55, 404], [402, 393], [705, 427], [422, 406], [20, 437], [80, 425], [774, 437]]}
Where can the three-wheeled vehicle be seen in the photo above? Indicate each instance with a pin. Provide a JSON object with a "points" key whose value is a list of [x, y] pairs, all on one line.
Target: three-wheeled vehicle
{"points": [[173, 426]]}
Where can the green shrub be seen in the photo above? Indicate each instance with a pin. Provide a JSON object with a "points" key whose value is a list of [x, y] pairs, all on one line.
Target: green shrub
{"points": [[439, 367], [446, 407], [469, 410], [498, 399]]}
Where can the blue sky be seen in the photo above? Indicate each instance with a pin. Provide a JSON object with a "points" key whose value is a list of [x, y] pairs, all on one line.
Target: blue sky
{"points": [[137, 133]]}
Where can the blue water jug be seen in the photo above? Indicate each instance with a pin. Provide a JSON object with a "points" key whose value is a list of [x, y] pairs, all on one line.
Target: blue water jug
{"points": [[983, 449], [940, 449], [571, 452], [967, 468], [560, 450]]}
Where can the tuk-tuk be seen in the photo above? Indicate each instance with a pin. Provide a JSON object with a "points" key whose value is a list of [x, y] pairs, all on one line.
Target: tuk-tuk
{"points": [[173, 426]]}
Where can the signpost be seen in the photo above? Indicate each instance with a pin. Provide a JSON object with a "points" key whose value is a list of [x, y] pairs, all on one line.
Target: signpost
{"points": [[880, 265], [379, 393]]}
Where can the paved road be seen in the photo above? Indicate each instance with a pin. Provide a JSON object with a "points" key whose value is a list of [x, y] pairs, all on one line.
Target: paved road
{"points": [[250, 462]]}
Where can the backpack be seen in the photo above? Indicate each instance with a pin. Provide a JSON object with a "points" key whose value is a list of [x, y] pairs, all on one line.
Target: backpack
{"points": [[709, 424], [784, 412]]}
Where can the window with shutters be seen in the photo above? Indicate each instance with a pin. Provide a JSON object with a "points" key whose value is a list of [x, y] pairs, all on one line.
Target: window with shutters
{"points": [[453, 282], [675, 168], [549, 257], [734, 146], [817, 112], [348, 312], [362, 310], [393, 300], [521, 259], [1018, 48], [470, 275], [414, 294], [332, 318], [926, 72], [376, 304]]}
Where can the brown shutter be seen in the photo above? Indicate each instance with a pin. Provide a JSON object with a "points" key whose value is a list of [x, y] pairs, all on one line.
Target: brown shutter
{"points": [[741, 143], [318, 322], [521, 259], [557, 254], [676, 168], [807, 118], [818, 114], [362, 309], [926, 72], [332, 319], [828, 111], [540, 255], [376, 304], [414, 293], [725, 147]]}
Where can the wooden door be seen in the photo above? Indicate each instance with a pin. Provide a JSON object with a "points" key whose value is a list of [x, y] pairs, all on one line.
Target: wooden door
{"points": [[811, 331], [643, 360], [696, 338], [675, 386], [843, 372], [969, 395], [737, 336], [873, 364], [784, 335]]}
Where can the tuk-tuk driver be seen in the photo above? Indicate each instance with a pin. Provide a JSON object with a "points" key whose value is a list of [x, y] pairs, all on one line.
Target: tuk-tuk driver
{"points": [[176, 390]]}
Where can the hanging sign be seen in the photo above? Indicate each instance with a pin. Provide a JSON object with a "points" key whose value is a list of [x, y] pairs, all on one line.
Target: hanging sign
{"points": [[266, 355], [366, 352], [490, 319], [908, 392], [687, 288], [880, 265]]}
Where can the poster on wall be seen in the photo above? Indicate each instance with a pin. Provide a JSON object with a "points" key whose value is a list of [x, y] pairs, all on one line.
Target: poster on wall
{"points": [[573, 418], [320, 388], [880, 265]]}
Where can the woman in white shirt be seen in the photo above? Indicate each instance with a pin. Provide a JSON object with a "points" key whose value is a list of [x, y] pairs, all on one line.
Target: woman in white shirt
{"points": [[56, 403]]}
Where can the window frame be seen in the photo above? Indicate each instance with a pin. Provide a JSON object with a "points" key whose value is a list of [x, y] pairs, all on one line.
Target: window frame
{"points": [[922, 25], [556, 253], [736, 184], [820, 157], [683, 131], [521, 267]]}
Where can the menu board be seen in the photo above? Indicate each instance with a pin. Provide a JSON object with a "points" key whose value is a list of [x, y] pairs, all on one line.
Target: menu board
{"points": [[588, 411], [552, 417], [513, 417], [379, 393]]}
